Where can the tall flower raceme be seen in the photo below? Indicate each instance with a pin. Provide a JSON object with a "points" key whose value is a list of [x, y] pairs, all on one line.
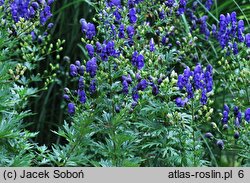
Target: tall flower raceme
{"points": [[191, 81], [30, 9], [237, 116], [233, 126], [234, 123], [225, 117], [230, 32], [77, 70]]}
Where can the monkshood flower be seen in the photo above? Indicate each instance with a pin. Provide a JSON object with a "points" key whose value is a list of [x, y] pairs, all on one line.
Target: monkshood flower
{"points": [[90, 50], [236, 135], [50, 26], [209, 135], [66, 97], [81, 70], [247, 115], [91, 67], [235, 48], [137, 60], [220, 144], [248, 40], [203, 99], [189, 89], [125, 86], [183, 79], [131, 3], [35, 5], [226, 108], [142, 85], [121, 33], [214, 30], [155, 89], [225, 115], [71, 108], [50, 2], [92, 87], [106, 50], [238, 116], [162, 14], [151, 45], [45, 14], [138, 76], [33, 35], [126, 80], [241, 28], [132, 15], [88, 29], [130, 31], [82, 96], [112, 3], [98, 47], [113, 29], [117, 15], [77, 63], [104, 54], [73, 70], [135, 95], [182, 7], [209, 78], [1, 2], [234, 23], [164, 40], [180, 102], [169, 3], [117, 109], [110, 46], [81, 83], [203, 26], [236, 110], [237, 122], [208, 4]]}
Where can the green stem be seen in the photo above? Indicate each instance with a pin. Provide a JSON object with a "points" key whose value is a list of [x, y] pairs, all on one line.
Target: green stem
{"points": [[193, 133], [112, 112], [209, 149]]}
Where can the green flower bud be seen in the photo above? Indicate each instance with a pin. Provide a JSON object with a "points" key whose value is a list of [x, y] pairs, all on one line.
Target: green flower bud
{"points": [[214, 126]]}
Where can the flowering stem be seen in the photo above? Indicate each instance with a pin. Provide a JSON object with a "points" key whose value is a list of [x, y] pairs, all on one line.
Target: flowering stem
{"points": [[193, 132], [113, 113]]}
